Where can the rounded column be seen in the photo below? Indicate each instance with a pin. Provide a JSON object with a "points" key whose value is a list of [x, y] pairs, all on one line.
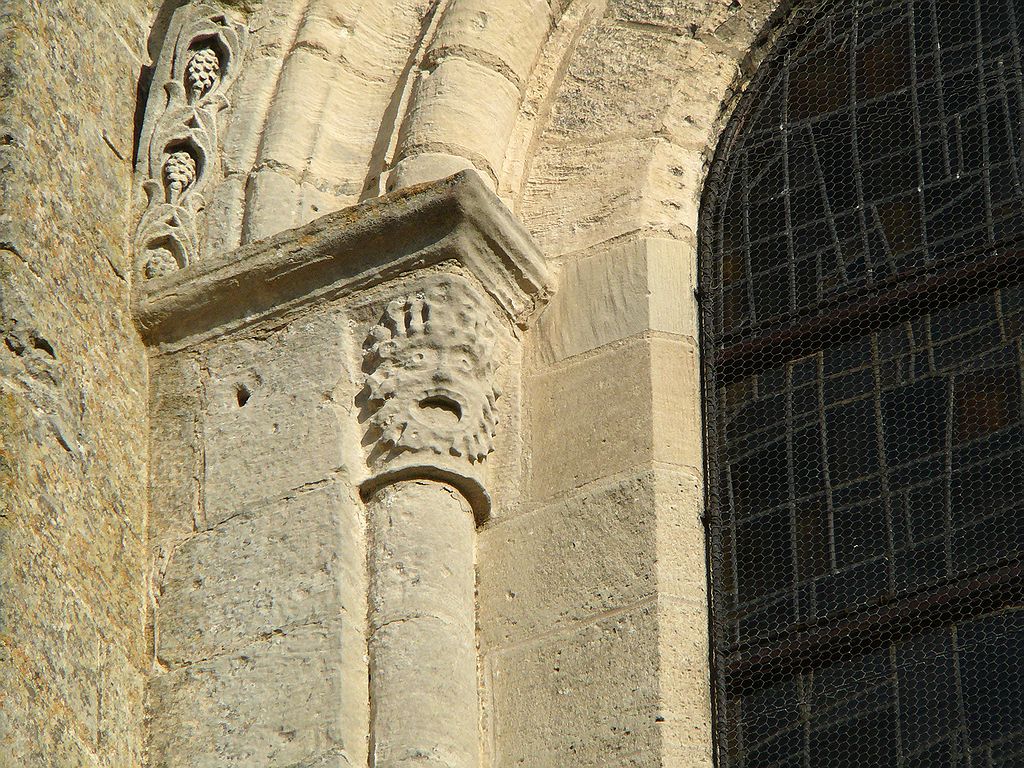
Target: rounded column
{"points": [[423, 660], [430, 415]]}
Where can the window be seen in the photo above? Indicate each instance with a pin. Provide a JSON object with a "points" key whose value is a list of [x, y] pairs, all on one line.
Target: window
{"points": [[863, 341]]}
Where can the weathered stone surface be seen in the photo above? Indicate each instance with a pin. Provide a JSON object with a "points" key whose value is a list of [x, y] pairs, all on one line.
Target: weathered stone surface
{"points": [[505, 36], [685, 680], [72, 386], [265, 570], [649, 381], [588, 553], [450, 103], [271, 705], [696, 110], [423, 661], [175, 447], [622, 290], [581, 195], [310, 111], [271, 423], [678, 439], [604, 390], [610, 545], [618, 84], [454, 221], [584, 698]]}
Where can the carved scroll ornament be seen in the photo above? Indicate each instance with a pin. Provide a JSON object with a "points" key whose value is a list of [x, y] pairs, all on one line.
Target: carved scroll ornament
{"points": [[179, 146]]}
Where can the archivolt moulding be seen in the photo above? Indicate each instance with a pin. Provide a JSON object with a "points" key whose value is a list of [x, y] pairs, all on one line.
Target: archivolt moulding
{"points": [[178, 151]]}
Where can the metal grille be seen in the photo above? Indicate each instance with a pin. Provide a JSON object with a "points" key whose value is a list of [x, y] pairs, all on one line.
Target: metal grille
{"points": [[863, 343]]}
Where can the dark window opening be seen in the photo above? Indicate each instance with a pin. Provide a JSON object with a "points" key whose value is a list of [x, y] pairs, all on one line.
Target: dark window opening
{"points": [[863, 344]]}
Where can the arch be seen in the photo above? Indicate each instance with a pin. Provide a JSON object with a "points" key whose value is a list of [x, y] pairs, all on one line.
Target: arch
{"points": [[860, 271], [341, 100], [594, 120], [620, 125]]}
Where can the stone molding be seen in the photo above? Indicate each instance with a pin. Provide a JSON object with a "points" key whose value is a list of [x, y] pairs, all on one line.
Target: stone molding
{"points": [[179, 147], [455, 222]]}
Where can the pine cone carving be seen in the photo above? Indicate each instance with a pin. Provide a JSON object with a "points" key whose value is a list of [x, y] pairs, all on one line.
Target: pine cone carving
{"points": [[180, 171], [203, 72]]}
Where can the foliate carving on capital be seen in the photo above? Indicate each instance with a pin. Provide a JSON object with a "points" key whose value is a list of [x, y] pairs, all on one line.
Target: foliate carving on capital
{"points": [[179, 142], [430, 363]]}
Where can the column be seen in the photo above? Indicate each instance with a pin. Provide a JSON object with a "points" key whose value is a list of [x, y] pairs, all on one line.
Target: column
{"points": [[430, 417]]}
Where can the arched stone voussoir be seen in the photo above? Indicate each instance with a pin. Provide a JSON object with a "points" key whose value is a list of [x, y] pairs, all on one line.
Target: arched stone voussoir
{"points": [[633, 116], [467, 92]]}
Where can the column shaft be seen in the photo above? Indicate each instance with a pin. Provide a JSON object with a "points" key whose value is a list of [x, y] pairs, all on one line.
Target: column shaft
{"points": [[423, 657]]}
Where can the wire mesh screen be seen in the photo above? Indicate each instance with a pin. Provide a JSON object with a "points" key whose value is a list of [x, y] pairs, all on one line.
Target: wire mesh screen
{"points": [[863, 287]]}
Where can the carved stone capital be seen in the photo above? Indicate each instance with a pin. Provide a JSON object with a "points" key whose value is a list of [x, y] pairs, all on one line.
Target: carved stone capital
{"points": [[430, 386], [471, 280]]}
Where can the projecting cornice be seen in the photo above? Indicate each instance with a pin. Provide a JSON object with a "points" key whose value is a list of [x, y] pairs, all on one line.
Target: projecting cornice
{"points": [[455, 220]]}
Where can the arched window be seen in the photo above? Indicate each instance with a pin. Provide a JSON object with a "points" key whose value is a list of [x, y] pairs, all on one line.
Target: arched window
{"points": [[863, 288]]}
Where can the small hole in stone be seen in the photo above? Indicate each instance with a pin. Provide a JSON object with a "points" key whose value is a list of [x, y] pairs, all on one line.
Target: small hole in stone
{"points": [[43, 346], [242, 394], [442, 404]]}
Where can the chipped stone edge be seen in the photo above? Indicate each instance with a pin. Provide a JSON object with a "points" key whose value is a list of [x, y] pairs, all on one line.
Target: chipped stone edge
{"points": [[456, 219]]}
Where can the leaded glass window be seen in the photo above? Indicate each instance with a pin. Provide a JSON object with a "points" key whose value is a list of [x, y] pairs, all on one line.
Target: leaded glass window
{"points": [[863, 339]]}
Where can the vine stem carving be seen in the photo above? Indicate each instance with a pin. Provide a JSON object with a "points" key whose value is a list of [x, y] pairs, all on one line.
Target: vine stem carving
{"points": [[196, 66]]}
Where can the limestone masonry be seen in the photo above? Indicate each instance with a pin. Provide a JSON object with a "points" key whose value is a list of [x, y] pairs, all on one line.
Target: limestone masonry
{"points": [[350, 391]]}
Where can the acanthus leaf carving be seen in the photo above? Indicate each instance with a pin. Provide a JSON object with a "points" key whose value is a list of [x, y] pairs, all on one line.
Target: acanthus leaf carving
{"points": [[180, 144]]}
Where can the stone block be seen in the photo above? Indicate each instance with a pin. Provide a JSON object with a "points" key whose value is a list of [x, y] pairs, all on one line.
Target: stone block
{"points": [[465, 108], [40, 738], [633, 402], [240, 138], [695, 114], [294, 122], [608, 546], [619, 82], [581, 195], [672, 190], [585, 698], [685, 679], [273, 413], [278, 703], [508, 35], [682, 570], [623, 289], [273, 204], [225, 214], [610, 431], [676, 414], [295, 562], [591, 552], [50, 646], [175, 448], [347, 129], [689, 15]]}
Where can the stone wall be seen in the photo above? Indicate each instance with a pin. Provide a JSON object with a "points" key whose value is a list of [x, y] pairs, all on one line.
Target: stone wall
{"points": [[72, 388], [597, 654]]}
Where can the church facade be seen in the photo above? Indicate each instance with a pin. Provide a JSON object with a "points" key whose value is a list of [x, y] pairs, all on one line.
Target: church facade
{"points": [[470, 383]]}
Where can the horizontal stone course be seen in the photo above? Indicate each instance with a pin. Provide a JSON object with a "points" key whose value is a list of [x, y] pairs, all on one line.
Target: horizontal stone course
{"points": [[271, 424], [584, 698]]}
